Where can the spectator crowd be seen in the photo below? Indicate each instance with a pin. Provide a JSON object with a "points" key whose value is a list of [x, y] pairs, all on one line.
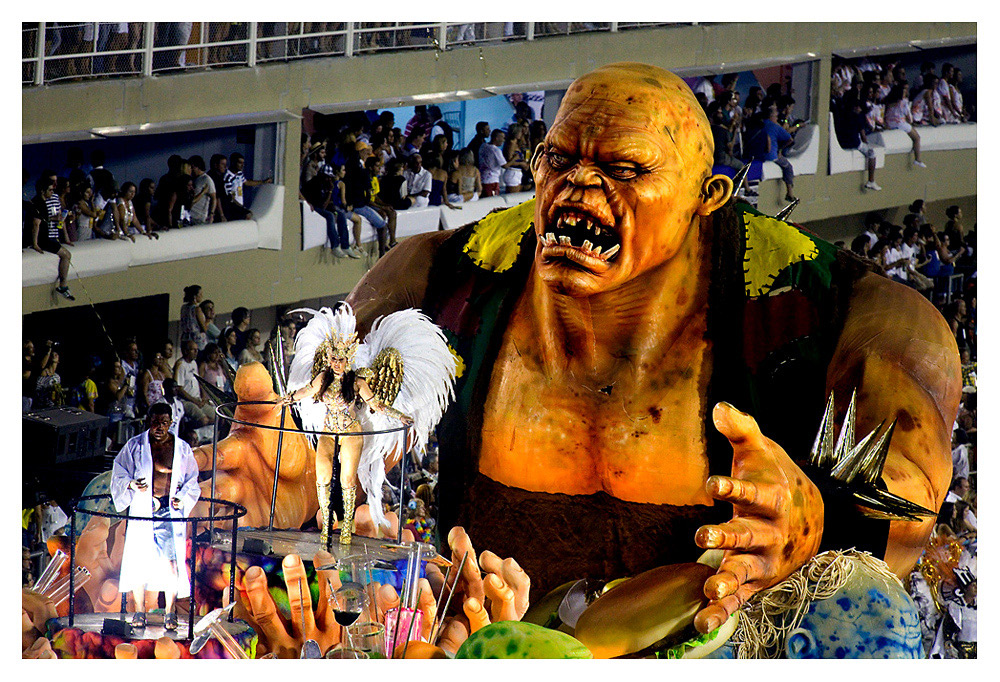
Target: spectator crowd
{"points": [[369, 168], [128, 380], [86, 201]]}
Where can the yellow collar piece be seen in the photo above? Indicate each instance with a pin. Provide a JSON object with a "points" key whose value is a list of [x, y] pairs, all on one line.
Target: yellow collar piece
{"points": [[772, 245], [496, 239]]}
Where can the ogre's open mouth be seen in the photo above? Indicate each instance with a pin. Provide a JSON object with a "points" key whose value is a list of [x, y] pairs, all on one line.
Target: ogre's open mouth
{"points": [[580, 237]]}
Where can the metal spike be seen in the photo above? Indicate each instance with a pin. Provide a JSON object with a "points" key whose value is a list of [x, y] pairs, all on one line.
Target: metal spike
{"points": [[845, 442], [824, 436], [279, 366], [230, 373], [848, 467], [739, 178], [216, 395], [887, 503], [787, 210], [874, 461]]}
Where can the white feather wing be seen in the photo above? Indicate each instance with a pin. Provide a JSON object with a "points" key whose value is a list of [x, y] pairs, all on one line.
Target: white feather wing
{"points": [[427, 388]]}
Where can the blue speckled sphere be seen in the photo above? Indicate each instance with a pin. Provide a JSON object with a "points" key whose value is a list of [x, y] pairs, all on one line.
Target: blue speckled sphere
{"points": [[869, 617], [99, 485]]}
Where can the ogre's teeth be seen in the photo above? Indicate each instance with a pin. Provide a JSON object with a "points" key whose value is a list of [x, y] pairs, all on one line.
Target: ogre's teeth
{"points": [[597, 251], [569, 220], [563, 239], [550, 237], [597, 229], [587, 245], [612, 251]]}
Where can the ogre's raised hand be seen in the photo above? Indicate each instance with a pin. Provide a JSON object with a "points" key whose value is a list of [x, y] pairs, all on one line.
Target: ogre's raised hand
{"points": [[246, 460], [777, 519]]}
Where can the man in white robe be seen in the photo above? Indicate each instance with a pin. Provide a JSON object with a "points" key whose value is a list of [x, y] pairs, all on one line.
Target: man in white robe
{"points": [[155, 475]]}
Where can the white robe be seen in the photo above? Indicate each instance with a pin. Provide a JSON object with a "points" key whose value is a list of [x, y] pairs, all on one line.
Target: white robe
{"points": [[139, 566]]}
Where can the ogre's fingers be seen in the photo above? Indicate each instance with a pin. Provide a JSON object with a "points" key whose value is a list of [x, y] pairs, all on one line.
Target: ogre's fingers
{"points": [[476, 613], [126, 650], [460, 544], [436, 579], [230, 454], [386, 598], [328, 580], [738, 427], [454, 632], [427, 604], [512, 574], [299, 595], [759, 498], [166, 648], [262, 609], [735, 572], [738, 534], [501, 598]]}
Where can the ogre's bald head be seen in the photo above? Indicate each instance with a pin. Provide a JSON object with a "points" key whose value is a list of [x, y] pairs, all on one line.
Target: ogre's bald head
{"points": [[651, 94]]}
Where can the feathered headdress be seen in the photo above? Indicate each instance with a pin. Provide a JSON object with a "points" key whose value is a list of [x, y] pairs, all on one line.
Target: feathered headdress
{"points": [[327, 330]]}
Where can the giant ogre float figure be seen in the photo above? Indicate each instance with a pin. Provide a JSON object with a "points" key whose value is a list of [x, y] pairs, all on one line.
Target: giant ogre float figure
{"points": [[601, 324]]}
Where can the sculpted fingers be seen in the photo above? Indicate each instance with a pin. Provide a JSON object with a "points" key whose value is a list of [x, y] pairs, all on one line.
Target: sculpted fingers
{"points": [[512, 574], [299, 595], [501, 598], [740, 533], [750, 497], [476, 613], [329, 582], [735, 572], [461, 545], [386, 598], [738, 427], [262, 609], [453, 635], [427, 604]]}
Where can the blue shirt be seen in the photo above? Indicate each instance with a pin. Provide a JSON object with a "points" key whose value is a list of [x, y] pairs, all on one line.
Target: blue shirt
{"points": [[758, 143]]}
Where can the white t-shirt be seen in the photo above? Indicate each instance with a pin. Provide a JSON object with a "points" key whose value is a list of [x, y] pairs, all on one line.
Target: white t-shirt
{"points": [[199, 209], [892, 255], [491, 160], [418, 182], [187, 377]]}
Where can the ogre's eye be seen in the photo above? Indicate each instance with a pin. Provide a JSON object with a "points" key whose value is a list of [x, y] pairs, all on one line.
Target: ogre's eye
{"points": [[558, 161], [622, 171]]}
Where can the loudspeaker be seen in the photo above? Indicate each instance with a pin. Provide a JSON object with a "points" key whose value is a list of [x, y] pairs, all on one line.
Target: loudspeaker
{"points": [[113, 626]]}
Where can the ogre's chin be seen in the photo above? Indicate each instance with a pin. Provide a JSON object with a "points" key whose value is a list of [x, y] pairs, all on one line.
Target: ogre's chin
{"points": [[568, 278]]}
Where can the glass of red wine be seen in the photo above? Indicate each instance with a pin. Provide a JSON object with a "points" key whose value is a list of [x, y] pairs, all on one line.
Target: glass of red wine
{"points": [[348, 603]]}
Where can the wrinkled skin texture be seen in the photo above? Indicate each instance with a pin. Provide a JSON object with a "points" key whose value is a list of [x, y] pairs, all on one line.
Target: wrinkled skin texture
{"points": [[35, 610], [630, 151]]}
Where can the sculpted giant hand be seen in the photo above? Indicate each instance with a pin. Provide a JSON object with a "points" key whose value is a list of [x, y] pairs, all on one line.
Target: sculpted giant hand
{"points": [[777, 519], [246, 460]]}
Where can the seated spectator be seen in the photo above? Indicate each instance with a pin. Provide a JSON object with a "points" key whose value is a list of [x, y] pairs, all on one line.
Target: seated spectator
{"points": [[313, 163], [319, 194], [943, 91], [911, 249], [957, 102], [766, 144], [151, 381], [250, 353], [83, 205], [176, 407], [878, 252], [898, 116], [84, 394], [414, 141], [358, 194], [722, 135], [896, 261], [45, 233], [205, 194], [940, 263], [374, 166], [393, 186], [465, 180], [67, 216], [196, 407], [418, 181], [234, 181], [439, 183], [125, 213], [851, 127], [861, 244], [926, 107]]}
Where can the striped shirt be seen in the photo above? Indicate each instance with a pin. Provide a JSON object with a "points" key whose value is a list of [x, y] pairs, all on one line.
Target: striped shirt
{"points": [[233, 184], [47, 211]]}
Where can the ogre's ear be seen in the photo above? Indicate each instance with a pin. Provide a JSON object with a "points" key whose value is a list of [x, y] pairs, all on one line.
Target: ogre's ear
{"points": [[715, 192], [536, 157]]}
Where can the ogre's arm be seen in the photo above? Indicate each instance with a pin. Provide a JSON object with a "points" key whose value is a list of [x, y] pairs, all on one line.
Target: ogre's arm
{"points": [[898, 352], [398, 281]]}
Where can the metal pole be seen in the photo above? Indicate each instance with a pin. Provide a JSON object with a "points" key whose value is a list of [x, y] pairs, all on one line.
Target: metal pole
{"points": [[72, 562], [614, 27], [529, 31], [277, 468], [329, 507], [402, 485], [349, 40], [191, 603], [443, 35], [215, 455], [252, 57], [147, 48], [40, 56], [232, 566]]}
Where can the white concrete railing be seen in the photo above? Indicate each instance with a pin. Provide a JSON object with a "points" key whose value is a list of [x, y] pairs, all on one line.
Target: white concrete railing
{"points": [[101, 256], [946, 137], [413, 221]]}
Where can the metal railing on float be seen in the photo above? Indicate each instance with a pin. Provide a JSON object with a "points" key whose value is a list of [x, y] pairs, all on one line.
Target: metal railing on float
{"points": [[53, 52]]}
